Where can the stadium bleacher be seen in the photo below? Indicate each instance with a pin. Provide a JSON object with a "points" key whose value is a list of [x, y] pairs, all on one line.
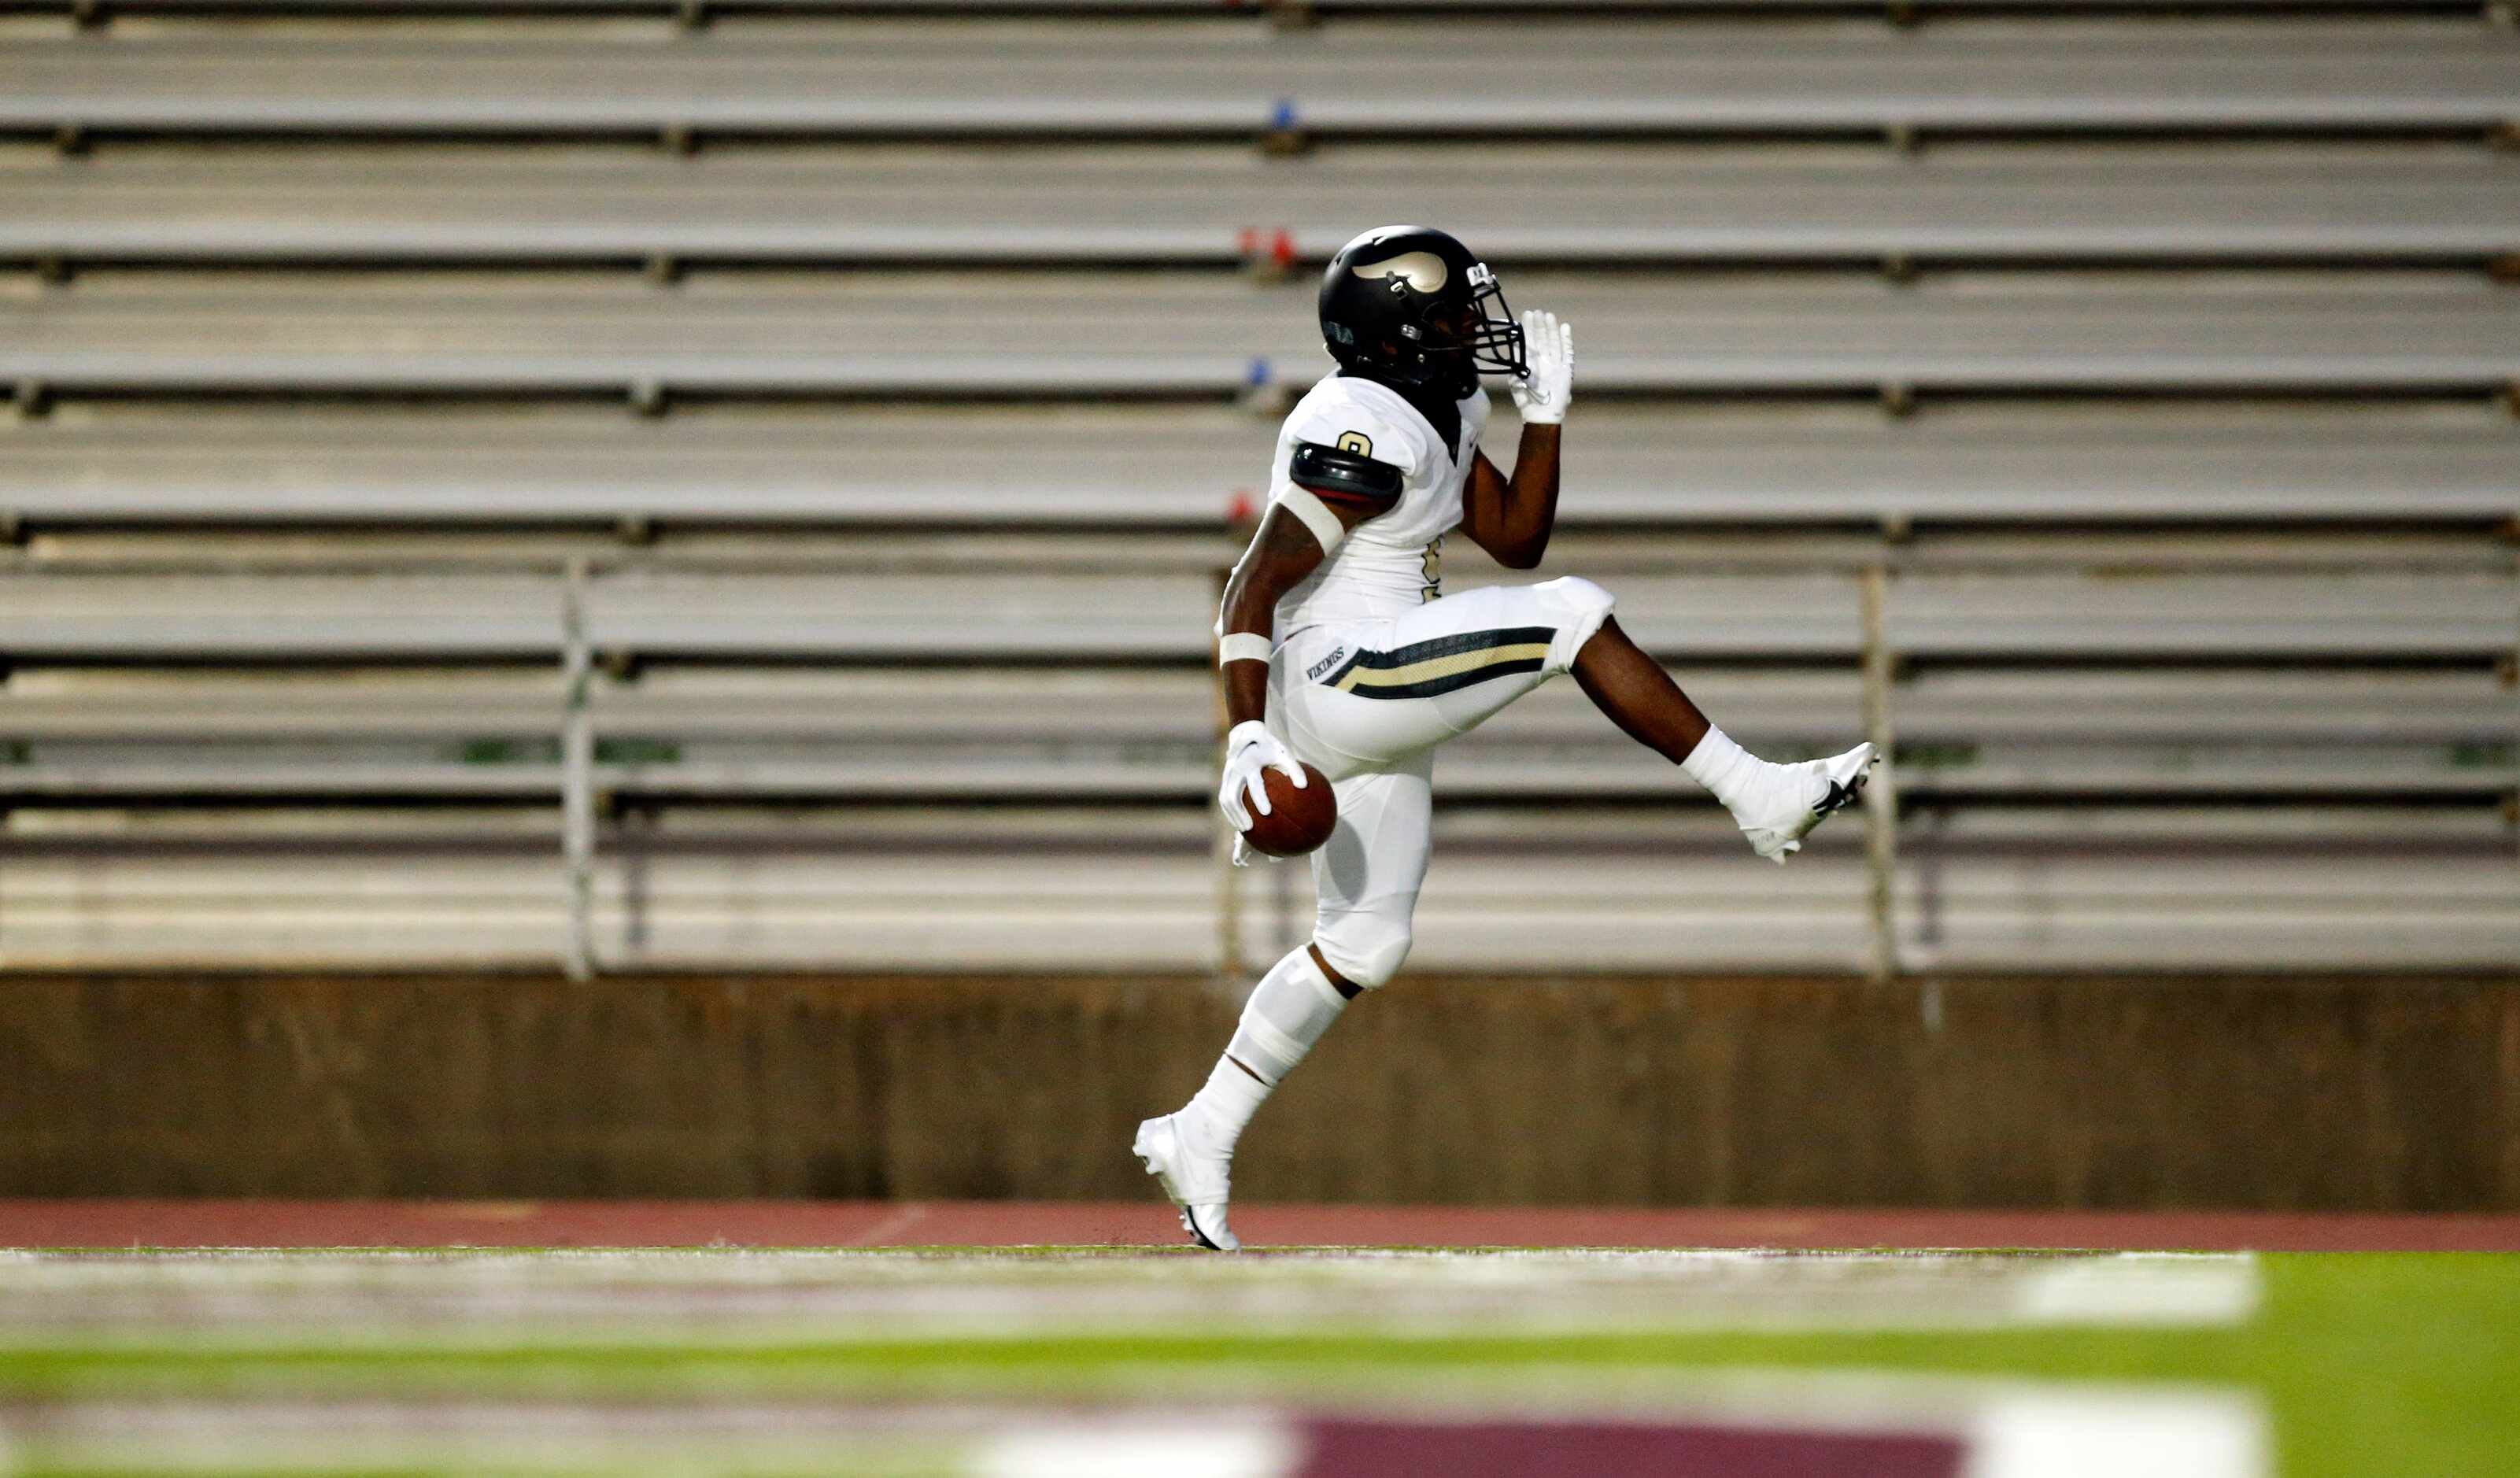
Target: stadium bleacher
{"points": [[2108, 465], [1028, 334], [2173, 406], [1190, 204], [1118, 77]]}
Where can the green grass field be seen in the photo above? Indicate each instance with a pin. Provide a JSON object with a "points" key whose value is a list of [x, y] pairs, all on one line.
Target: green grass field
{"points": [[467, 1360]]}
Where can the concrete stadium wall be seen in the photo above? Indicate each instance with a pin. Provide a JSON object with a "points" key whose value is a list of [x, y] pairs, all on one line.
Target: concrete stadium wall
{"points": [[2286, 1094]]}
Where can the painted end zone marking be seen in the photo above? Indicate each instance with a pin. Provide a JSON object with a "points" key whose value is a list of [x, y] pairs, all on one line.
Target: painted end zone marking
{"points": [[1955, 1430], [1813, 1424], [1614, 1450]]}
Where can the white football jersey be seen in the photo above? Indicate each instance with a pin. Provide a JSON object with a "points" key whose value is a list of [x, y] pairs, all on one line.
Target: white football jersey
{"points": [[1393, 561]]}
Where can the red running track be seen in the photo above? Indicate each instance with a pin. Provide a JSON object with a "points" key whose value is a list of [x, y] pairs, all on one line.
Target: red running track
{"points": [[906, 1224]]}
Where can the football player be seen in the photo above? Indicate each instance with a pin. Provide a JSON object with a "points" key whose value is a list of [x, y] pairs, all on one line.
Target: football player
{"points": [[1340, 648]]}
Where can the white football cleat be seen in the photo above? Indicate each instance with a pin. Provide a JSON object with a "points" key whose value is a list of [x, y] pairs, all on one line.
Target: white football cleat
{"points": [[1815, 790], [1197, 1180]]}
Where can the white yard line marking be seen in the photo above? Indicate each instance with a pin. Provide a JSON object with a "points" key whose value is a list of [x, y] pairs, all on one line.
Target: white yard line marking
{"points": [[1249, 1449], [2065, 1433], [2140, 1289]]}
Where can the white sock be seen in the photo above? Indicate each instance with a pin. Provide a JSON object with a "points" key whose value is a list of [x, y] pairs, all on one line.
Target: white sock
{"points": [[1289, 1010], [1226, 1104], [1721, 766], [1753, 789]]}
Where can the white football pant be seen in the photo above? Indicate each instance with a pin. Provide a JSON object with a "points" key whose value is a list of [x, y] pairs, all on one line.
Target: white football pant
{"points": [[1365, 702]]}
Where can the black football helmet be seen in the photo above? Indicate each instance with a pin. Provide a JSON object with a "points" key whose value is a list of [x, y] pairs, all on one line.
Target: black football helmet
{"points": [[1411, 306]]}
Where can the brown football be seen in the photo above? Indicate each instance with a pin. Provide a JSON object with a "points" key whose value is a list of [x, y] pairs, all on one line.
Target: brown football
{"points": [[1298, 821]]}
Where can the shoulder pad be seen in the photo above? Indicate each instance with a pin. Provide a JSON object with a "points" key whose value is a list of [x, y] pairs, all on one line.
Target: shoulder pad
{"points": [[1347, 475]]}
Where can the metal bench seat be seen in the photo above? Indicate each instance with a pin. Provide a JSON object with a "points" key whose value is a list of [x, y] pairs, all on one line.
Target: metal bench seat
{"points": [[721, 737], [1573, 889], [1205, 205], [58, 618], [941, 334], [1085, 9], [995, 467], [1157, 77]]}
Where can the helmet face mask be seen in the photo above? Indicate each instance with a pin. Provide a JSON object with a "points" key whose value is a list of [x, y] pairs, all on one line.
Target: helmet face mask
{"points": [[1493, 339], [1411, 306]]}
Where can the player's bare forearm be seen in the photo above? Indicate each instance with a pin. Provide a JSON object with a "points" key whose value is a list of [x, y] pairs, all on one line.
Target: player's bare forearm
{"points": [[1512, 517], [1282, 554], [1247, 692], [1535, 492]]}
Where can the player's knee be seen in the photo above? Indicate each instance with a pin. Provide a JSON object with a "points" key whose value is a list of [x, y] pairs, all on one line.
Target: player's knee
{"points": [[1579, 595], [1578, 606], [1366, 950]]}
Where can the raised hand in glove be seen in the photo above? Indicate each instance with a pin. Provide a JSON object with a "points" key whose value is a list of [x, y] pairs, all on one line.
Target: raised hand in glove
{"points": [[1549, 346]]}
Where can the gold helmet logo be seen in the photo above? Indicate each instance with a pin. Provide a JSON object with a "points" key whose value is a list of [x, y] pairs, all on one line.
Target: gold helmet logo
{"points": [[1421, 270], [1357, 442]]}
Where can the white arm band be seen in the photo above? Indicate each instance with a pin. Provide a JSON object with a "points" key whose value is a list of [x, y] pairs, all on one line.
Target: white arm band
{"points": [[1315, 516], [1242, 646]]}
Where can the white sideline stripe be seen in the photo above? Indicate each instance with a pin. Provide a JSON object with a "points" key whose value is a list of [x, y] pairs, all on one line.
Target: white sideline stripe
{"points": [[1256, 1449], [2044, 1434], [737, 1297]]}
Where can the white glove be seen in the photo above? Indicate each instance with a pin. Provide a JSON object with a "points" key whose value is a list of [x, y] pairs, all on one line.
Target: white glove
{"points": [[1248, 750], [1549, 346]]}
